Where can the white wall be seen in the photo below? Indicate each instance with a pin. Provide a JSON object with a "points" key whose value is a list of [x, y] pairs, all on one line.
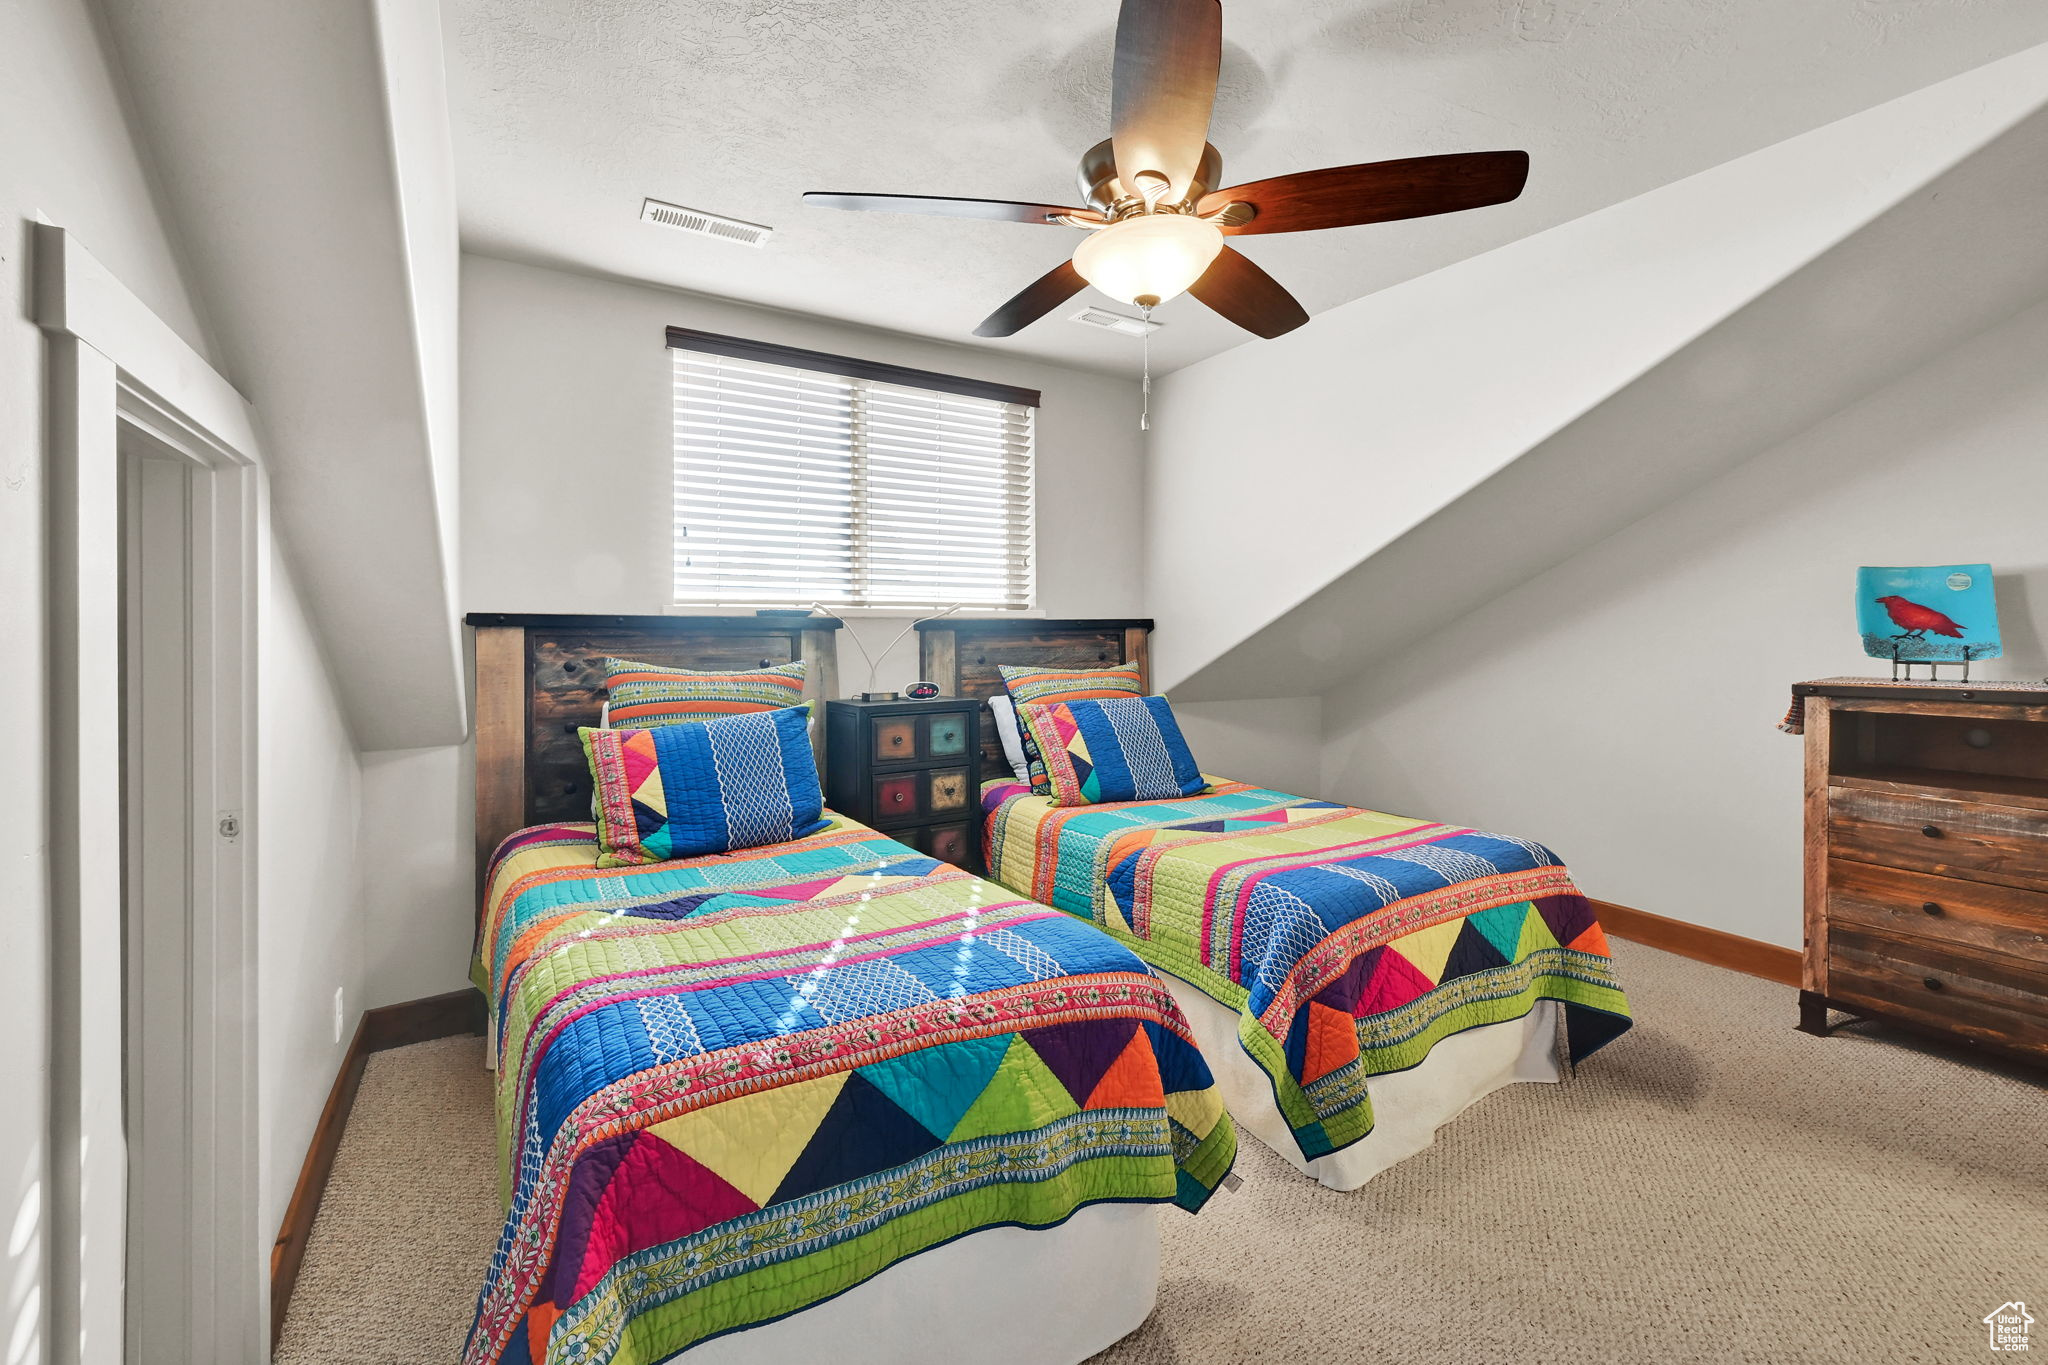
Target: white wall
{"points": [[309, 885], [418, 870], [1274, 743], [65, 155], [566, 472], [1314, 453], [567, 444], [414, 67], [1620, 706], [306, 147]]}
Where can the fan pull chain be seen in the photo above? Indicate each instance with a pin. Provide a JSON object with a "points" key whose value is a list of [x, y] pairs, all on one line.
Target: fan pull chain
{"points": [[1145, 349]]}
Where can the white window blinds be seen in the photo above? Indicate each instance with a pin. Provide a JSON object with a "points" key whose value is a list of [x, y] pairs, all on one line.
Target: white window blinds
{"points": [[795, 485]]}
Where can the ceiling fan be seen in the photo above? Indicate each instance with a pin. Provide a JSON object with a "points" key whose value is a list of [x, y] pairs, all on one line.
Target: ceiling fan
{"points": [[1155, 220]]}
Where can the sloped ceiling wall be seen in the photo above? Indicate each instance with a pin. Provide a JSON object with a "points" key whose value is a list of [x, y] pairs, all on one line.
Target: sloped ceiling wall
{"points": [[1413, 453], [303, 149], [1619, 706], [568, 111]]}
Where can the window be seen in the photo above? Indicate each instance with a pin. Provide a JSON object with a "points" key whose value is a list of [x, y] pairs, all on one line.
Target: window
{"points": [[803, 477]]}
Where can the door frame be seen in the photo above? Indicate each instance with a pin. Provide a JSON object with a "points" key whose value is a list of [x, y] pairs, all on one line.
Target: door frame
{"points": [[115, 368]]}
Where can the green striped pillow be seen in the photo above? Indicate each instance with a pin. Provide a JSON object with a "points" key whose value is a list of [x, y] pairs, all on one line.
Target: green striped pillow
{"points": [[644, 695], [1030, 686]]}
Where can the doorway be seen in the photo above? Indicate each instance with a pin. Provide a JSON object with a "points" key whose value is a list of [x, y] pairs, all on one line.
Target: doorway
{"points": [[182, 852], [155, 1251]]}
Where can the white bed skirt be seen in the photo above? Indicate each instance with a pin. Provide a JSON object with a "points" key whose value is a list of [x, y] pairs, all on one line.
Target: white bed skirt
{"points": [[1001, 1296], [1408, 1106]]}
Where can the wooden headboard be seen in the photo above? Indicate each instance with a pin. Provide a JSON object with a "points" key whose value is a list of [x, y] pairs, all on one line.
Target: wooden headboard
{"points": [[540, 677], [962, 656]]}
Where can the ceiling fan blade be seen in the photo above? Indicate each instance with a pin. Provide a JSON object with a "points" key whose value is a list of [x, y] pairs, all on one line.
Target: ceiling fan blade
{"points": [[1248, 296], [1375, 192], [1167, 52], [999, 210], [1038, 298]]}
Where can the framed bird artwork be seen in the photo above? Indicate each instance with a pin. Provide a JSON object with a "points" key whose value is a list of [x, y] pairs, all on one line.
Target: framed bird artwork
{"points": [[1939, 614]]}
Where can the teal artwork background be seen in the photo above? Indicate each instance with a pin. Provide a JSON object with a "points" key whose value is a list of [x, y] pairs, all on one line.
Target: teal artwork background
{"points": [[1913, 625]]}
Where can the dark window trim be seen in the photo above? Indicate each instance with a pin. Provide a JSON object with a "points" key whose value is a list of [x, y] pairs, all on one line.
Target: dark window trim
{"points": [[768, 353], [680, 623]]}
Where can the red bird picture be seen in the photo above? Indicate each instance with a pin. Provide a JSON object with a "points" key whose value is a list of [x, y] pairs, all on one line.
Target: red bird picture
{"points": [[1914, 620]]}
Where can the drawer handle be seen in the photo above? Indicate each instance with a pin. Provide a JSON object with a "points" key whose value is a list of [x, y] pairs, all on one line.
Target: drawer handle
{"points": [[897, 797], [1931, 908], [1932, 983], [1931, 831]]}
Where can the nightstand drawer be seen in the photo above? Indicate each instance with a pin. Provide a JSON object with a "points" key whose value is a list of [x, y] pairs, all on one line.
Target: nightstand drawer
{"points": [[1968, 839], [897, 797], [1971, 915], [896, 739], [948, 736], [1984, 996], [952, 844], [919, 793], [946, 791]]}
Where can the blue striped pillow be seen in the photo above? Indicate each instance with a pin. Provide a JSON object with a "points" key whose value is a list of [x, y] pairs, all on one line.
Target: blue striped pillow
{"points": [[1098, 750], [689, 788]]}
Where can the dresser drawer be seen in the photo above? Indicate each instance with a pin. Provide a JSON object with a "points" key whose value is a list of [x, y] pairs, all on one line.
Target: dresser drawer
{"points": [[1968, 839], [1970, 915], [1987, 997]]}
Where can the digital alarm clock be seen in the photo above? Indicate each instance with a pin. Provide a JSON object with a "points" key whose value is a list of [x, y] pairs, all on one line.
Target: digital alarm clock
{"points": [[921, 691]]}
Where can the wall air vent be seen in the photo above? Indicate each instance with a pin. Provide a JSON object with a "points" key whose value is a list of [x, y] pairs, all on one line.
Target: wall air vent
{"points": [[1114, 322], [704, 224]]}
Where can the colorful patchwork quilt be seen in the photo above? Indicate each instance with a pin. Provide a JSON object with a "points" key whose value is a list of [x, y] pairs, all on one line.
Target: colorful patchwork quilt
{"points": [[733, 1086], [1349, 942]]}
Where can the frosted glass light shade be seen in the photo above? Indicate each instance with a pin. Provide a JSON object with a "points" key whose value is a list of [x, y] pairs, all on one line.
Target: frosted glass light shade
{"points": [[1149, 258]]}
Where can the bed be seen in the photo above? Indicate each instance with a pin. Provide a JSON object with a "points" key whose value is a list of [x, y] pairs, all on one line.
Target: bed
{"points": [[822, 1097], [1354, 978]]}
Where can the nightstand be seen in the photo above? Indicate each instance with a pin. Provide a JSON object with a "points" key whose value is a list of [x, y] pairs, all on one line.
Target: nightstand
{"points": [[911, 769]]}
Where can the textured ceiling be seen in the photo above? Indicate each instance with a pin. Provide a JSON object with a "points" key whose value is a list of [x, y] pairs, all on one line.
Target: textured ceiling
{"points": [[569, 112]]}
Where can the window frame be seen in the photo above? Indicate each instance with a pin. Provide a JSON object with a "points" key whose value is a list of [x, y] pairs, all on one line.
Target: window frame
{"points": [[857, 368]]}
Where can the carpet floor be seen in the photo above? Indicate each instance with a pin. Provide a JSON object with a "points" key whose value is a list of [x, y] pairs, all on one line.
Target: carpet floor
{"points": [[1713, 1187]]}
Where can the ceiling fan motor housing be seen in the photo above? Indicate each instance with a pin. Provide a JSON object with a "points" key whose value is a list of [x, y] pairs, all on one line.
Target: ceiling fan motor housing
{"points": [[1105, 192]]}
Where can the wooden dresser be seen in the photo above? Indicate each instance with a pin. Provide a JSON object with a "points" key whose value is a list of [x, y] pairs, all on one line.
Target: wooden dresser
{"points": [[911, 769], [1927, 859]]}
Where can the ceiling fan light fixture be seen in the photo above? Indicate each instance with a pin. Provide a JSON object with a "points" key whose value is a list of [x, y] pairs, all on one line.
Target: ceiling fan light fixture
{"points": [[1150, 257]]}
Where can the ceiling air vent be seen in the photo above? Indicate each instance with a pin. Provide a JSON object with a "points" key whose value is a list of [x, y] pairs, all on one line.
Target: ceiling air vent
{"points": [[704, 224], [1114, 322]]}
